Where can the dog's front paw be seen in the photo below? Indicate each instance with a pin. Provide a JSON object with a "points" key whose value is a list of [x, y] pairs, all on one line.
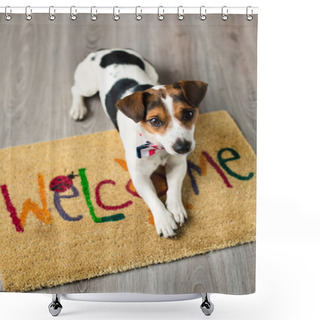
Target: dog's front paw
{"points": [[78, 111], [178, 211], [165, 224]]}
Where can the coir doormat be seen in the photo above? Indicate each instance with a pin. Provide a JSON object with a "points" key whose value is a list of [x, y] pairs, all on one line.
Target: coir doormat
{"points": [[68, 209]]}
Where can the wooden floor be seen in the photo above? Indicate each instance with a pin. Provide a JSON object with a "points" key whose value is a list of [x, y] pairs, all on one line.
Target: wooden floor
{"points": [[38, 59]]}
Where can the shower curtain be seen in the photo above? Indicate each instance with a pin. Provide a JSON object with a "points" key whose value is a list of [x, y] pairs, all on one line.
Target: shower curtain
{"points": [[71, 219]]}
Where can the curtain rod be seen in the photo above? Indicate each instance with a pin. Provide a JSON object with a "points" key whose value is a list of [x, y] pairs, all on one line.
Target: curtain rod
{"points": [[129, 10]]}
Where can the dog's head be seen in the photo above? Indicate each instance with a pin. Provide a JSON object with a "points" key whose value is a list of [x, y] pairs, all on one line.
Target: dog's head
{"points": [[167, 112]]}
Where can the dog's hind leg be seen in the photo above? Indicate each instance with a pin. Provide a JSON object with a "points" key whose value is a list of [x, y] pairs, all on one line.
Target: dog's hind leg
{"points": [[85, 85]]}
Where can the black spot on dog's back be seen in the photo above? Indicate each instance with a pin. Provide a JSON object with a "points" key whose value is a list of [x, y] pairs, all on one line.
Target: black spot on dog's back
{"points": [[121, 57], [115, 94]]}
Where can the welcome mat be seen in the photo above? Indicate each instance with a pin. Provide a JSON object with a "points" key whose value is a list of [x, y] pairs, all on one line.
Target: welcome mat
{"points": [[68, 209]]}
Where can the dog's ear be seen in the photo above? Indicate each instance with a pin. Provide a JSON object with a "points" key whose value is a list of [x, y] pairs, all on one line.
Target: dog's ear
{"points": [[133, 106], [193, 91]]}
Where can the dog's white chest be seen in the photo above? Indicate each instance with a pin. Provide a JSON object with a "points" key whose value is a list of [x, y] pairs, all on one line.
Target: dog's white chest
{"points": [[153, 162], [162, 157]]}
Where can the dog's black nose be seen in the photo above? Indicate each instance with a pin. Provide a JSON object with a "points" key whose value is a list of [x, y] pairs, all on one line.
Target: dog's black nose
{"points": [[182, 146]]}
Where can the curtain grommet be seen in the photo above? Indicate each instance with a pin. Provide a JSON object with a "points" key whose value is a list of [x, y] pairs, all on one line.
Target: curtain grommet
{"points": [[160, 15], [249, 16], [224, 13], [138, 16], [28, 13], [52, 11], [116, 16], [203, 13], [180, 14], [7, 15], [93, 16], [73, 13]]}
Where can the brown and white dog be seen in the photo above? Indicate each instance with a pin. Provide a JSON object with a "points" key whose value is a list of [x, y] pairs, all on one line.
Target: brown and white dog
{"points": [[156, 123]]}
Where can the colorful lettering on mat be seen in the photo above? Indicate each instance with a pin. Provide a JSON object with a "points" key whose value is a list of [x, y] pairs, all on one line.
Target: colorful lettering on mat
{"points": [[61, 184]]}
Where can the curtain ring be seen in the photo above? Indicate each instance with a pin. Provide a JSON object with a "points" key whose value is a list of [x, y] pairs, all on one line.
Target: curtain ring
{"points": [[6, 14], [115, 15], [73, 13], [93, 15], [138, 16], [180, 15], [203, 13], [160, 15], [28, 12], [52, 11], [224, 13], [249, 17]]}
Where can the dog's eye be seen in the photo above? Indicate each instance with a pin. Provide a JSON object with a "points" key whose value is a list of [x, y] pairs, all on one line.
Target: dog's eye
{"points": [[155, 122], [187, 114]]}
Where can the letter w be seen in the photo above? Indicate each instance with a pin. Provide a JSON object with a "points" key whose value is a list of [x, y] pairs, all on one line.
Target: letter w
{"points": [[42, 213]]}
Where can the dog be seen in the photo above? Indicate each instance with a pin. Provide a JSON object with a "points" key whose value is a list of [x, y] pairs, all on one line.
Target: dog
{"points": [[156, 123]]}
